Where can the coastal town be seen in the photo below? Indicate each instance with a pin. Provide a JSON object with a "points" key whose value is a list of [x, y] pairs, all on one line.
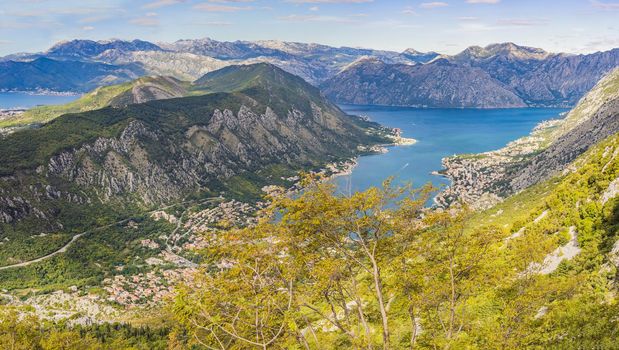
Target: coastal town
{"points": [[10, 113], [170, 258], [478, 179]]}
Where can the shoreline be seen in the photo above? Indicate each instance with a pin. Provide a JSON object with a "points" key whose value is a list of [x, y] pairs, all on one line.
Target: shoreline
{"points": [[476, 178], [41, 93], [345, 168]]}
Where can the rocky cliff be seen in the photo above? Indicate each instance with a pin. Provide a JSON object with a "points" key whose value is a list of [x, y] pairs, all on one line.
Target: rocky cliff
{"points": [[498, 75], [541, 78], [595, 118], [140, 155]]}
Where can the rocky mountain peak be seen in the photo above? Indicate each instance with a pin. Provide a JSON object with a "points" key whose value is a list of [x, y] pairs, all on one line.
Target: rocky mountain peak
{"points": [[90, 48], [412, 51], [418, 56], [508, 49], [362, 61], [522, 52]]}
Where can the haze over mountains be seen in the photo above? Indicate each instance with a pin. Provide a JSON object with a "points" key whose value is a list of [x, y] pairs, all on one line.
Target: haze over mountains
{"points": [[499, 75]]}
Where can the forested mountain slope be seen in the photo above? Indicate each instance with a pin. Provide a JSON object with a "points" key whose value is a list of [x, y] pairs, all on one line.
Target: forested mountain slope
{"points": [[90, 169], [538, 271]]}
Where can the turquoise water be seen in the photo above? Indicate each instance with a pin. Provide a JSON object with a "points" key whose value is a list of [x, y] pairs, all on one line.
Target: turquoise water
{"points": [[11, 100], [440, 133]]}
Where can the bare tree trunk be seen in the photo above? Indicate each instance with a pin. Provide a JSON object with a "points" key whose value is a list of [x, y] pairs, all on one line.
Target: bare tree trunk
{"points": [[411, 313], [452, 301], [381, 303], [366, 327]]}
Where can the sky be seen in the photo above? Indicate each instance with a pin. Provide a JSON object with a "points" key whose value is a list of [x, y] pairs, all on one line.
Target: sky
{"points": [[446, 26]]}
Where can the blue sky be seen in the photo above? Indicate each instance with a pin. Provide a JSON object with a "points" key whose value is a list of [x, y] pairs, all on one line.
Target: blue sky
{"points": [[446, 26]]}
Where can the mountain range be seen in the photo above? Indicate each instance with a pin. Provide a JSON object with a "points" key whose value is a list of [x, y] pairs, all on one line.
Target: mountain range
{"points": [[109, 202], [495, 76], [160, 139]]}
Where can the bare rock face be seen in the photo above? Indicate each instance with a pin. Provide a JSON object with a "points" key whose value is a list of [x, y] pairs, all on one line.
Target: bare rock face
{"points": [[13, 209], [436, 84], [143, 155], [604, 123], [499, 75], [230, 143], [118, 166]]}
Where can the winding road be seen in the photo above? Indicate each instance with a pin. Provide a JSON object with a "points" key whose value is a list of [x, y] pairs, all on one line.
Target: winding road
{"points": [[77, 236]]}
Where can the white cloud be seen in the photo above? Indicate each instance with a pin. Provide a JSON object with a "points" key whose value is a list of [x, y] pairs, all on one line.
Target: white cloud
{"points": [[316, 18], [145, 21], [162, 3], [432, 5], [605, 5], [483, 1], [393, 24], [521, 22], [329, 1], [220, 8], [475, 27], [314, 8], [472, 24], [408, 10], [88, 28], [218, 23]]}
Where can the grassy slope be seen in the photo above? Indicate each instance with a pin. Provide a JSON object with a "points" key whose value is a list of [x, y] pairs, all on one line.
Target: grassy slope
{"points": [[97, 99], [247, 79], [595, 170], [569, 200]]}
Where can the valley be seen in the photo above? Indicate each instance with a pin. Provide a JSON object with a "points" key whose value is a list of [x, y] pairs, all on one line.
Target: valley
{"points": [[105, 202], [178, 192]]}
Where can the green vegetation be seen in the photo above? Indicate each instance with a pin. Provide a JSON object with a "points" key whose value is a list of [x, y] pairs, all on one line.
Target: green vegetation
{"points": [[97, 99], [338, 272], [90, 259], [359, 272], [30, 333], [56, 207], [114, 95], [321, 271], [251, 80]]}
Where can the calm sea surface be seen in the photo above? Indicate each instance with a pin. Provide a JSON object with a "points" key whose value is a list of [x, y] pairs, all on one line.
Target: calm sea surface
{"points": [[10, 100], [440, 133]]}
